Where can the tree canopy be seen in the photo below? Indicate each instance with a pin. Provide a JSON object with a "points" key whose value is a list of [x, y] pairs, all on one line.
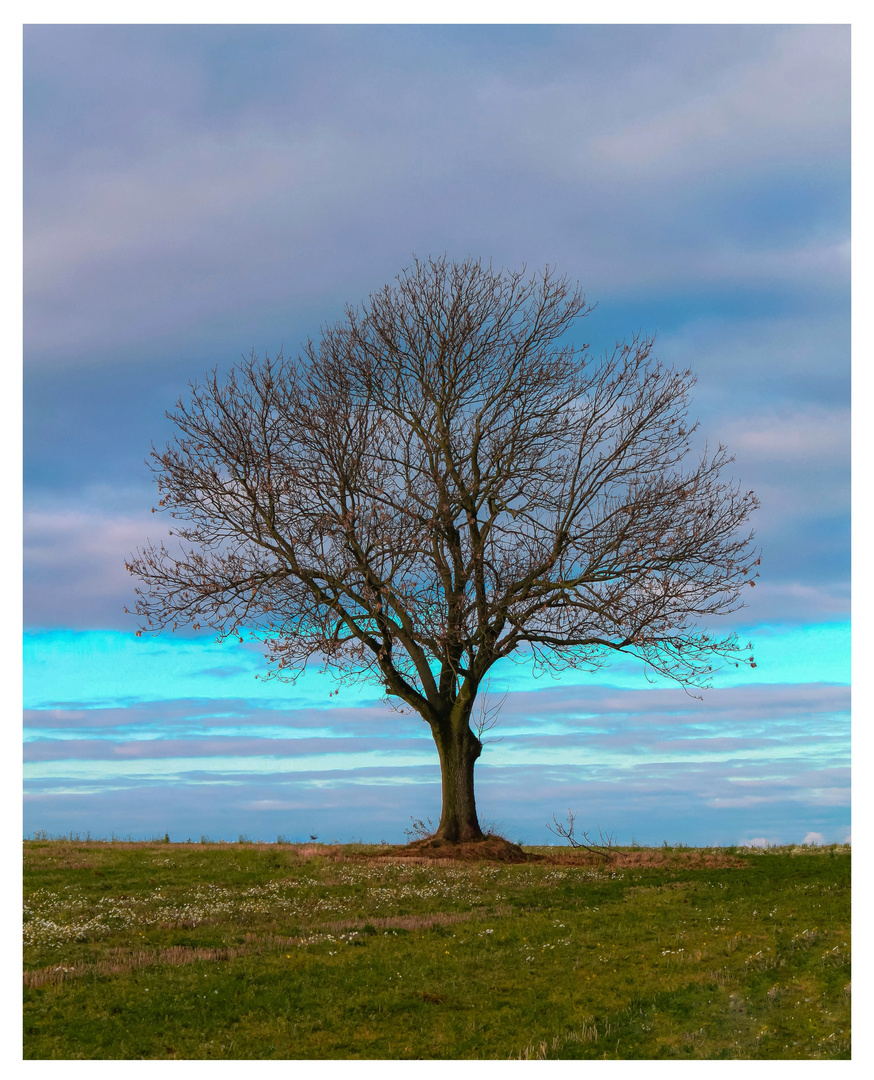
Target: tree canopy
{"points": [[441, 481]]}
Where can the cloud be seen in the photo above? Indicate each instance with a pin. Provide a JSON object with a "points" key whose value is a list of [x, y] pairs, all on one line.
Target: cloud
{"points": [[75, 545], [695, 179], [813, 838], [201, 717], [223, 810], [179, 212], [798, 86], [74, 563], [74, 676], [379, 803], [647, 761], [800, 359], [205, 750], [582, 706], [758, 841], [800, 602], [798, 462], [813, 436], [205, 214], [217, 210]]}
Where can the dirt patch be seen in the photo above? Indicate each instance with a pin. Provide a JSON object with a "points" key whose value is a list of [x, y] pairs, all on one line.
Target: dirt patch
{"points": [[623, 860], [489, 849]]}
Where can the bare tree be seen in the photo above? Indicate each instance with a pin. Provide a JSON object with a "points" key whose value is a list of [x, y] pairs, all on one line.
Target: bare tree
{"points": [[443, 481], [606, 846]]}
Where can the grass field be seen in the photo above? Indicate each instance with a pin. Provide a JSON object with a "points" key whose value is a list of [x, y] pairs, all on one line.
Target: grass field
{"points": [[158, 950]]}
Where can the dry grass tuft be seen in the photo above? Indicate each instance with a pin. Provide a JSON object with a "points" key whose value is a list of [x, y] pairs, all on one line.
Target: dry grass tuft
{"points": [[646, 857]]}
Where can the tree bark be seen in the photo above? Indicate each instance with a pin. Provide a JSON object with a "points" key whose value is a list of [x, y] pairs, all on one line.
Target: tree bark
{"points": [[458, 748]]}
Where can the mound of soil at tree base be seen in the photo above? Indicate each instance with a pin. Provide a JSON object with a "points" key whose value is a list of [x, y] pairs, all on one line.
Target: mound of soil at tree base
{"points": [[496, 849], [490, 849]]}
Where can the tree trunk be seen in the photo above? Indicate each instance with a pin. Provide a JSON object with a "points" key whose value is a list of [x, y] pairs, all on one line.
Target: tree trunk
{"points": [[458, 748]]}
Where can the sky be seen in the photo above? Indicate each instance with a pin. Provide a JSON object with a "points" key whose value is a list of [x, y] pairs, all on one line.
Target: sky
{"points": [[192, 193]]}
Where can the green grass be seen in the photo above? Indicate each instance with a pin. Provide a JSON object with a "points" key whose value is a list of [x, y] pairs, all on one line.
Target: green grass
{"points": [[155, 950]]}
